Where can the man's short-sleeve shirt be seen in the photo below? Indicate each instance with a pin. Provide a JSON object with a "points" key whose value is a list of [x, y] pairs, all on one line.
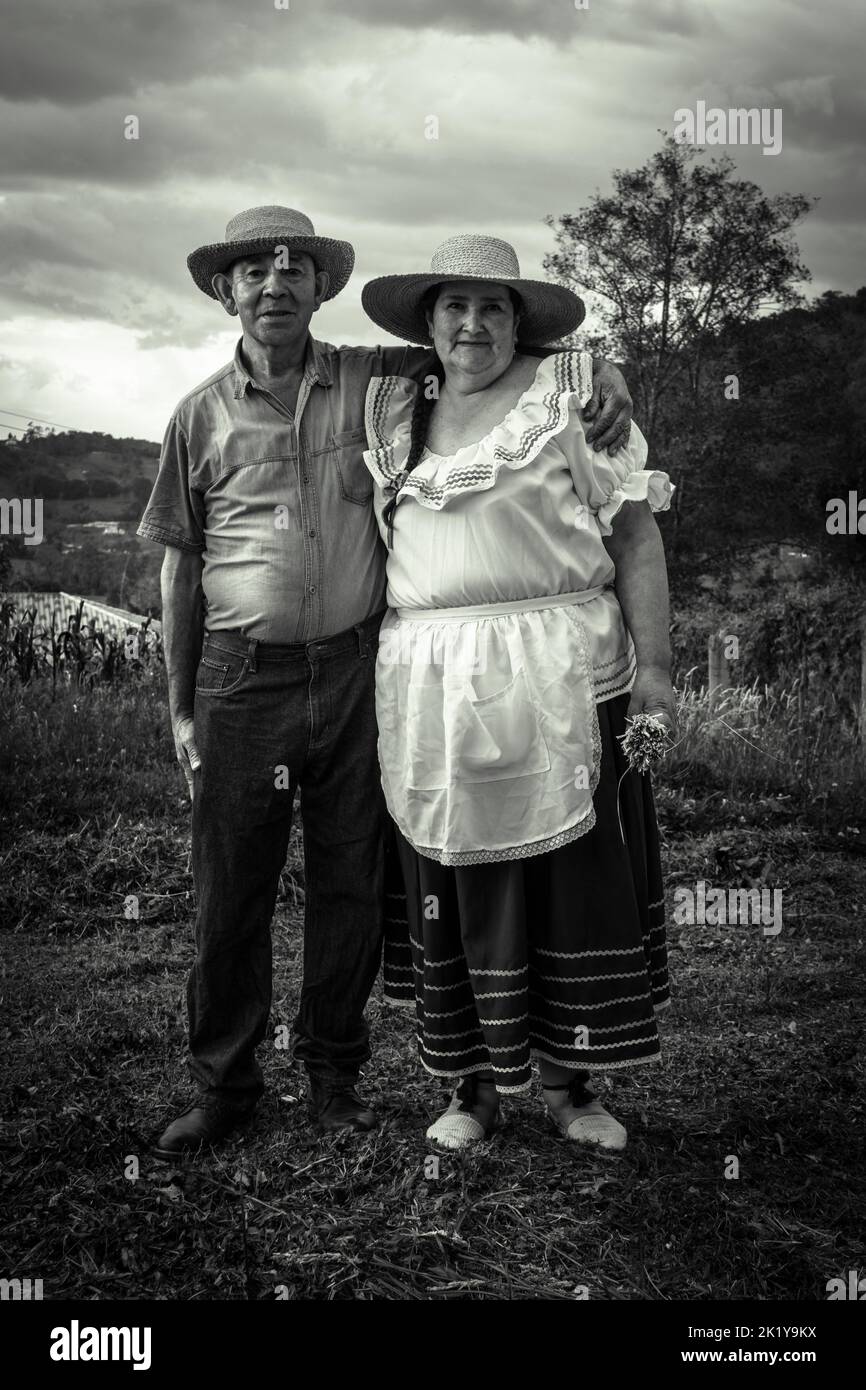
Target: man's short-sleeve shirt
{"points": [[279, 506]]}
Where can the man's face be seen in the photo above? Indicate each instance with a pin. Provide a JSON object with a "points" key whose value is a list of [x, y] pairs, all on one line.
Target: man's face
{"points": [[274, 295]]}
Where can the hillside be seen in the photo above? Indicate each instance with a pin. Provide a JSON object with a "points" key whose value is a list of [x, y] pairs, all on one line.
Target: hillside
{"points": [[777, 432], [94, 490]]}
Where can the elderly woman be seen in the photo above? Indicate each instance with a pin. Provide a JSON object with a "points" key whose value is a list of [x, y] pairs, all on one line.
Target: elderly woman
{"points": [[526, 602]]}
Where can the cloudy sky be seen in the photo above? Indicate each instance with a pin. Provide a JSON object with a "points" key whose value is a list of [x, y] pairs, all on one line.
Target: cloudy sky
{"points": [[323, 105]]}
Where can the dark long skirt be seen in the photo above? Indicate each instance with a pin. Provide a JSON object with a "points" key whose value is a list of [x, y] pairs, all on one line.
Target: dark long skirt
{"points": [[559, 956]]}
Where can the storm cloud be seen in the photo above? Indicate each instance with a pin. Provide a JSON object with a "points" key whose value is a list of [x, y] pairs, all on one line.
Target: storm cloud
{"points": [[327, 105]]}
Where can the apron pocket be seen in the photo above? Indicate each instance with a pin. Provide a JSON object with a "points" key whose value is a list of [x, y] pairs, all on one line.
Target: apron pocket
{"points": [[490, 738], [496, 737]]}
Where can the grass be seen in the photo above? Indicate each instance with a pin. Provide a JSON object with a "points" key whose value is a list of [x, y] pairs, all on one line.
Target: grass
{"points": [[789, 744], [763, 1061]]}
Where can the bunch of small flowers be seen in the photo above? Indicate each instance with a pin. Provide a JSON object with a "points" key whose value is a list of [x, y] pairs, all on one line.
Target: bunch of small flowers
{"points": [[645, 741]]}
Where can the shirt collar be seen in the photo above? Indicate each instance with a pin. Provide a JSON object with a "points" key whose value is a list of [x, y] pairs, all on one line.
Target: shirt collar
{"points": [[317, 367]]}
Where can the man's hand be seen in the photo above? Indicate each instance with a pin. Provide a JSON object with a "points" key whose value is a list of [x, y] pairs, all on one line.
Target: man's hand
{"points": [[652, 693], [609, 409], [182, 629], [183, 731]]}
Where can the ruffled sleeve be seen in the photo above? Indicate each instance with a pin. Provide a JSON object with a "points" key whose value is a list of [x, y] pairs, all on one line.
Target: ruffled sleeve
{"points": [[603, 483], [388, 419]]}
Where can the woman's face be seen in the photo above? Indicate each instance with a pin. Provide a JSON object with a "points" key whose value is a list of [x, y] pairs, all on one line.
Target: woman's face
{"points": [[474, 327]]}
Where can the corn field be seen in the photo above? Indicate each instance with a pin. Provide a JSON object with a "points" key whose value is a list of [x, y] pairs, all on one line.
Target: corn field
{"points": [[76, 652]]}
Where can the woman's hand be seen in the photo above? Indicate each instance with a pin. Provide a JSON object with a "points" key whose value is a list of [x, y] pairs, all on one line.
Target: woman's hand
{"points": [[652, 693]]}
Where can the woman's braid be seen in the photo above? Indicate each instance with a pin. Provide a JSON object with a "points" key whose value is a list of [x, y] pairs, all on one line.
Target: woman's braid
{"points": [[421, 412], [425, 399]]}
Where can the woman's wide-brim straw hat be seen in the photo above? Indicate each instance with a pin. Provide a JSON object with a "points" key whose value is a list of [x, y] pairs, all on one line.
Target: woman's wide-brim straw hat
{"points": [[548, 312], [261, 230]]}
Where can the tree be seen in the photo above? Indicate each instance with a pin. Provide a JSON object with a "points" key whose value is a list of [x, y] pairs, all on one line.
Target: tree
{"points": [[680, 253], [34, 433]]}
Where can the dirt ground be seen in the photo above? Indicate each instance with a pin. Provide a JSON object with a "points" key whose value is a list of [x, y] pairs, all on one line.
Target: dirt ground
{"points": [[762, 1063]]}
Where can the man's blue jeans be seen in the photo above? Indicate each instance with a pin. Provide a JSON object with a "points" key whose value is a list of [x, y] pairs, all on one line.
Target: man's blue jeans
{"points": [[267, 720]]}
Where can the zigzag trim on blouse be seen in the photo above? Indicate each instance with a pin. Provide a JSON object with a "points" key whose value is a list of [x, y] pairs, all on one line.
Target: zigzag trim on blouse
{"points": [[572, 376]]}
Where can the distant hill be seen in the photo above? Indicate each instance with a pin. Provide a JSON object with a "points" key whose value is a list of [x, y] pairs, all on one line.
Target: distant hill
{"points": [[776, 433], [75, 465], [94, 490]]}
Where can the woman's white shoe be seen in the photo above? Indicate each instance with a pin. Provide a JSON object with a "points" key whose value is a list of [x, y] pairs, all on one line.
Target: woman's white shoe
{"points": [[459, 1126], [584, 1120]]}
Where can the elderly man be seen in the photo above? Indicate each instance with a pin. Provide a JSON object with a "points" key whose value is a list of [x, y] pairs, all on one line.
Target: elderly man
{"points": [[273, 593]]}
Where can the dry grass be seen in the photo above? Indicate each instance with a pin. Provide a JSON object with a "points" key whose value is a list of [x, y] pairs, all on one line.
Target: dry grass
{"points": [[792, 744]]}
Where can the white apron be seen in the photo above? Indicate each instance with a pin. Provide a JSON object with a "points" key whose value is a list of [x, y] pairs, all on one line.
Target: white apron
{"points": [[488, 733]]}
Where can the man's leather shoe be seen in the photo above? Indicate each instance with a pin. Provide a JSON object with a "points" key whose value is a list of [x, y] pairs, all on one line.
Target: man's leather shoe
{"points": [[335, 1105], [204, 1122]]}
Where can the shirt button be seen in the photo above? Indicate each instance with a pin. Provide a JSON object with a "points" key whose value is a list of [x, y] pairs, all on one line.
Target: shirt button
{"points": [[312, 588], [306, 479], [312, 533]]}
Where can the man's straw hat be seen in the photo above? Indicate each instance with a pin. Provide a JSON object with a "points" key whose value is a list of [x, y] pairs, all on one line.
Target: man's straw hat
{"points": [[549, 311], [260, 230]]}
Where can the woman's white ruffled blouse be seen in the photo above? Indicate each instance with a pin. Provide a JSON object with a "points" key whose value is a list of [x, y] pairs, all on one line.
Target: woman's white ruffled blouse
{"points": [[503, 627]]}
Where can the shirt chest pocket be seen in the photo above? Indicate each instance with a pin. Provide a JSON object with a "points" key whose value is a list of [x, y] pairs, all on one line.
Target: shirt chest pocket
{"points": [[356, 481]]}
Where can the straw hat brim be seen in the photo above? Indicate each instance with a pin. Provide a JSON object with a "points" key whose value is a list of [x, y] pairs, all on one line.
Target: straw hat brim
{"points": [[336, 257], [394, 303]]}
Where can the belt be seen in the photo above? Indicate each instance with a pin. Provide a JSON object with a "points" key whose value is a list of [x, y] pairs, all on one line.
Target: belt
{"points": [[493, 610], [238, 640]]}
